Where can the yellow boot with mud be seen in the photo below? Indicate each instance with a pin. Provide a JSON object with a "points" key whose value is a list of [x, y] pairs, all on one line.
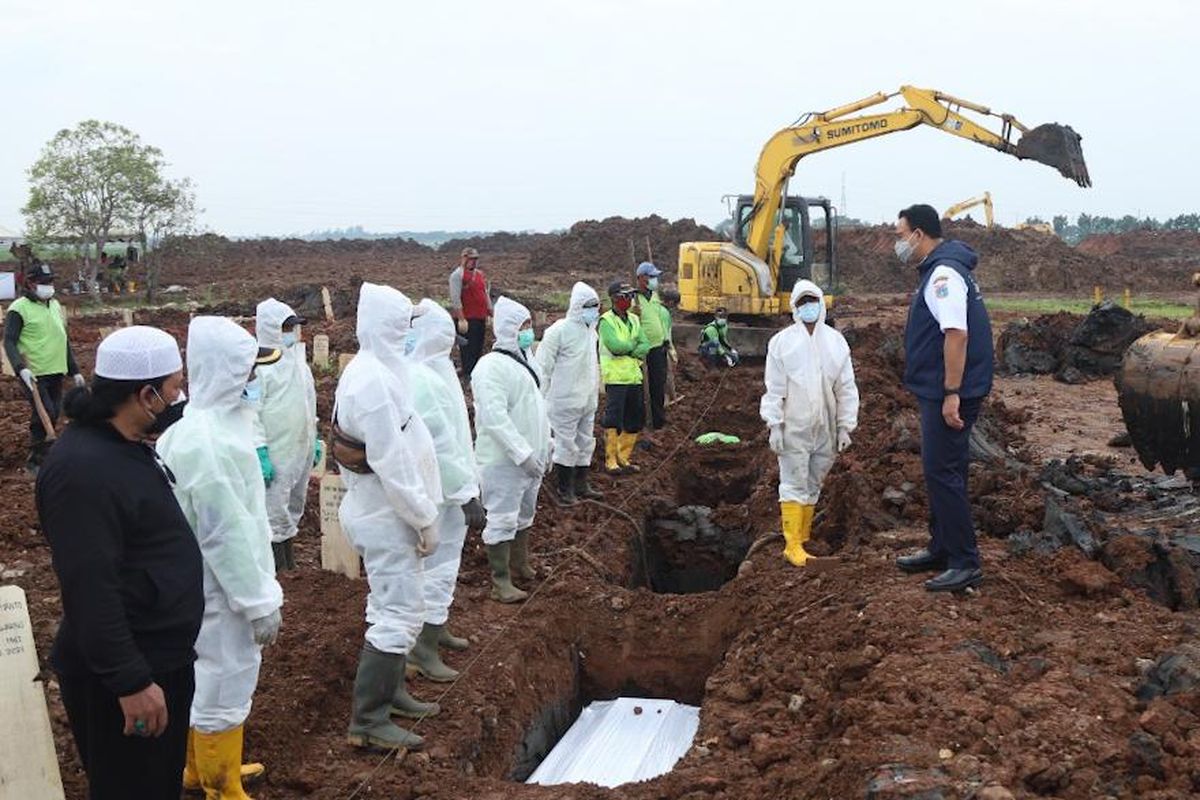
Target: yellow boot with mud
{"points": [[796, 519], [191, 777], [612, 463], [219, 764], [626, 442]]}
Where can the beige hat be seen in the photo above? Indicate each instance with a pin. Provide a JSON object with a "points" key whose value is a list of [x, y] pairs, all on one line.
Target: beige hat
{"points": [[470, 252]]}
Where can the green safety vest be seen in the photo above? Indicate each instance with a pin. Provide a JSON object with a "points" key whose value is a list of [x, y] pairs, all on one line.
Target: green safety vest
{"points": [[43, 342], [651, 312], [620, 370]]}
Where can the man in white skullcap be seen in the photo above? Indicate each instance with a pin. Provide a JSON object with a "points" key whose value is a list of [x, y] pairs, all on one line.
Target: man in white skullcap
{"points": [[220, 489], [129, 571]]}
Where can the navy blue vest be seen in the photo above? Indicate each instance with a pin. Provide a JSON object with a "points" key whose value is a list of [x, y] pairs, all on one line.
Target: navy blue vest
{"points": [[925, 365]]}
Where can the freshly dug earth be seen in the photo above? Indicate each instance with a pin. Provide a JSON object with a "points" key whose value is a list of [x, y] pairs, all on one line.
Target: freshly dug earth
{"points": [[1072, 347], [847, 681]]}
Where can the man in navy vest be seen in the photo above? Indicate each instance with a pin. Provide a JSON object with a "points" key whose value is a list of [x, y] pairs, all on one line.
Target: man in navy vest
{"points": [[948, 352]]}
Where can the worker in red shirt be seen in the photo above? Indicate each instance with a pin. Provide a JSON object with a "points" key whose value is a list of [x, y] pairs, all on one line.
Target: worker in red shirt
{"points": [[471, 306]]}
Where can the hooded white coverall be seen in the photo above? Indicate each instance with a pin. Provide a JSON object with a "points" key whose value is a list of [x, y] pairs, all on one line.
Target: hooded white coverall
{"points": [[811, 393], [510, 426], [218, 483], [384, 512], [570, 364], [438, 400], [286, 420]]}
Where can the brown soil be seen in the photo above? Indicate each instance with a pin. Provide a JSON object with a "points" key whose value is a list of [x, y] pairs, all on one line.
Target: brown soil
{"points": [[846, 681]]}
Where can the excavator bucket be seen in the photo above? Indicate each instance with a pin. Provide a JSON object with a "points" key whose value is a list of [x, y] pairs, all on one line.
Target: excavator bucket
{"points": [[1158, 388], [1056, 146]]}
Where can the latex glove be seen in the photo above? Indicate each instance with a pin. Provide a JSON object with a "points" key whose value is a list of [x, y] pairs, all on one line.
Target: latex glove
{"points": [[264, 462], [427, 540], [775, 440], [266, 629], [671, 354], [531, 466], [473, 511], [79, 381], [26, 378], [843, 440], [729, 359], [461, 326], [318, 453], [737, 359]]}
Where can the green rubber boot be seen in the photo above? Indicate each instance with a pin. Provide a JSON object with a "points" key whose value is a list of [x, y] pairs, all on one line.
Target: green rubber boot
{"points": [[449, 641], [405, 705], [502, 587], [424, 660], [375, 685]]}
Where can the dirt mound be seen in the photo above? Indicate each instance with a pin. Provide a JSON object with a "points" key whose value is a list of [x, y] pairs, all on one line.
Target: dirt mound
{"points": [[500, 242], [1009, 260], [615, 245], [213, 248], [1071, 347]]}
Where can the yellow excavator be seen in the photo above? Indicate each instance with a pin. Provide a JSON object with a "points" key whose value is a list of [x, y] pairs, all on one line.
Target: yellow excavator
{"points": [[984, 200], [772, 237]]}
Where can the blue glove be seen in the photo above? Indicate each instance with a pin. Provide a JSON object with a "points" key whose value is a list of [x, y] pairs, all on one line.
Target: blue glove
{"points": [[268, 469], [318, 452]]}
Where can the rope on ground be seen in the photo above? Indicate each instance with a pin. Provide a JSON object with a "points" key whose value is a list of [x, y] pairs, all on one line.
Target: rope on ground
{"points": [[402, 753]]}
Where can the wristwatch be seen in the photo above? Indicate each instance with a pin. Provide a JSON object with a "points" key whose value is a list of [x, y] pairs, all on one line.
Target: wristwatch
{"points": [[946, 392]]}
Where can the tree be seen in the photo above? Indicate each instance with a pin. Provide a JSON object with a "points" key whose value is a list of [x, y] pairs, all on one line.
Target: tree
{"points": [[160, 209], [87, 181]]}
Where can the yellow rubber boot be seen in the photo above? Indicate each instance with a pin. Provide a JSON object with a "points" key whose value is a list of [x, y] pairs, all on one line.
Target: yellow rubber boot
{"points": [[796, 519], [191, 776], [612, 463], [626, 442], [219, 764]]}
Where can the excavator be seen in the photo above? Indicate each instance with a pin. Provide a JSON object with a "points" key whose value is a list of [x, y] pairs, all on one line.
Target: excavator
{"points": [[984, 200], [772, 236]]}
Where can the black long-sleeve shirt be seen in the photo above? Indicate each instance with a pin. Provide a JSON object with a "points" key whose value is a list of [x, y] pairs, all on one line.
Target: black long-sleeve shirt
{"points": [[128, 564], [13, 323]]}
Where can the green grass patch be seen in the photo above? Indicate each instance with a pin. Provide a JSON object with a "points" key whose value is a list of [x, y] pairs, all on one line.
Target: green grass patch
{"points": [[1052, 305]]}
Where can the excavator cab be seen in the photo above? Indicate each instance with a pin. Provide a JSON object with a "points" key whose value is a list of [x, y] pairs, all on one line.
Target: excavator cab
{"points": [[801, 235]]}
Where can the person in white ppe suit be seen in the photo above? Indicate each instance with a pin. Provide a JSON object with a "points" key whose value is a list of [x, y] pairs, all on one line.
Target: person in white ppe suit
{"points": [[512, 445], [286, 425], [810, 407], [217, 483], [438, 400], [570, 364], [389, 513]]}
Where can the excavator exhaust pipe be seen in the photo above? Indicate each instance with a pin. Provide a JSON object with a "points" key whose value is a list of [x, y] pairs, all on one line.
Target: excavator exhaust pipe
{"points": [[1056, 146]]}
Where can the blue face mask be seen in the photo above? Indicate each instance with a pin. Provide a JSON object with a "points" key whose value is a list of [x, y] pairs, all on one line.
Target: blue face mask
{"points": [[590, 316], [525, 339], [252, 394], [652, 283], [290, 338], [809, 312], [410, 342]]}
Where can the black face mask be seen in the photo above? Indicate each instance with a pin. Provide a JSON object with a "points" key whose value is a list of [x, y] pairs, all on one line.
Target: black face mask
{"points": [[169, 416]]}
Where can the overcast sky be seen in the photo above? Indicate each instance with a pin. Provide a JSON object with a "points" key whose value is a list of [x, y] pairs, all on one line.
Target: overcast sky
{"points": [[531, 114]]}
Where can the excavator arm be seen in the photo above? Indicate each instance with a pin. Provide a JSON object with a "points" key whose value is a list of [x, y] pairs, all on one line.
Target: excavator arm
{"points": [[1051, 144], [984, 200]]}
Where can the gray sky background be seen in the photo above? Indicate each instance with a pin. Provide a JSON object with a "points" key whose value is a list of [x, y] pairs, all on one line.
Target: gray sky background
{"points": [[531, 114]]}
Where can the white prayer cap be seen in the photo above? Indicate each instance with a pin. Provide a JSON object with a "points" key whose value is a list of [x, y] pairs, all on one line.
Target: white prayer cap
{"points": [[137, 353]]}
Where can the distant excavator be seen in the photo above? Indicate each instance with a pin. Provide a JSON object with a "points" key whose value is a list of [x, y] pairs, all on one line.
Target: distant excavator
{"points": [[772, 237], [984, 200]]}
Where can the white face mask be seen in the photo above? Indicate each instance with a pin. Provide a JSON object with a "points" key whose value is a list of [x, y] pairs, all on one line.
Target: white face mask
{"points": [[904, 248], [590, 316], [652, 284], [290, 338], [44, 291]]}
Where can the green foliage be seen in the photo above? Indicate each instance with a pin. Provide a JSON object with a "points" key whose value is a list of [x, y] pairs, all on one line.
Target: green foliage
{"points": [[1086, 225], [1052, 305]]}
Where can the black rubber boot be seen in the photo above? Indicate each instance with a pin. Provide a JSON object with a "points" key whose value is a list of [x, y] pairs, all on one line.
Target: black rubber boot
{"points": [[502, 586], [379, 674], [285, 559], [520, 557], [582, 490], [564, 486], [405, 705]]}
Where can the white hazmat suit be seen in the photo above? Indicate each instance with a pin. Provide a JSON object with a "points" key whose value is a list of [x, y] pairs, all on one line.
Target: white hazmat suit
{"points": [[570, 364], [810, 399], [286, 420], [438, 400], [512, 441], [220, 489], [391, 513]]}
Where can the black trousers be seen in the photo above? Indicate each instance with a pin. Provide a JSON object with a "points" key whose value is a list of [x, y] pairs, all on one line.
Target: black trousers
{"points": [[945, 457], [656, 381], [121, 767], [50, 387], [472, 351], [624, 408]]}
